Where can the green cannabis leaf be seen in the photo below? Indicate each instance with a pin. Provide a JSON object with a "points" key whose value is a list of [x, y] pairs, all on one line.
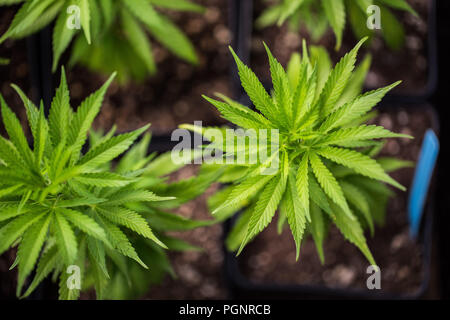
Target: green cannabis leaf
{"points": [[107, 35], [63, 207], [323, 159], [318, 15], [128, 279]]}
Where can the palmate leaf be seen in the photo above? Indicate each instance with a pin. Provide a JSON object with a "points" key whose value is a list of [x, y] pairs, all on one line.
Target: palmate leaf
{"points": [[265, 208], [241, 116], [338, 79], [143, 10], [40, 138], [30, 247], [174, 39], [120, 241], [138, 39], [281, 89], [342, 136], [319, 197], [85, 16], [83, 118], [245, 190], [60, 112], [78, 202], [161, 220], [14, 229], [25, 18], [329, 183], [399, 4], [32, 111], [97, 252], [288, 8], [103, 179], [129, 219], [44, 19], [9, 191], [360, 163], [101, 22], [319, 114], [62, 36], [47, 263], [317, 228], [184, 5], [352, 231], [15, 133], [255, 90], [393, 164], [302, 184], [134, 196], [84, 223], [335, 12], [358, 200], [304, 94], [109, 149], [70, 206], [393, 31], [295, 212], [66, 239], [10, 156], [356, 108], [319, 15], [66, 291]]}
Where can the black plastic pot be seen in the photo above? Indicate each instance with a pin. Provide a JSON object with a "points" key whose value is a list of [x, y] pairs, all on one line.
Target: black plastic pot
{"points": [[243, 288], [243, 39]]}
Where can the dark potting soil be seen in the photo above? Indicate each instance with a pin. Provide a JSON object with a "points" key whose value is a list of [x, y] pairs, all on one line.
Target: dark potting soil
{"points": [[409, 64], [199, 273], [270, 258], [173, 95]]}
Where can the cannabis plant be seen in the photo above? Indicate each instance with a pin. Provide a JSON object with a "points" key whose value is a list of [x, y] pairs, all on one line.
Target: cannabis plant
{"points": [[108, 35], [321, 157], [65, 209], [128, 279], [318, 15]]}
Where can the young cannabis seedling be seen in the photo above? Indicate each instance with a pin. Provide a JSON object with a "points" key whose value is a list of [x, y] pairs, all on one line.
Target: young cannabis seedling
{"points": [[325, 171], [64, 208], [318, 15], [128, 279], [109, 35]]}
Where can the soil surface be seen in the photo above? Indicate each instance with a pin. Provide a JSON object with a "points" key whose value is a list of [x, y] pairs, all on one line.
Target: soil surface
{"points": [[409, 64], [270, 258], [173, 95], [199, 273]]}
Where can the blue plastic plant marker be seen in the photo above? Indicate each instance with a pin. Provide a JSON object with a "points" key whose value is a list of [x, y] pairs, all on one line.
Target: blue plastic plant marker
{"points": [[422, 176]]}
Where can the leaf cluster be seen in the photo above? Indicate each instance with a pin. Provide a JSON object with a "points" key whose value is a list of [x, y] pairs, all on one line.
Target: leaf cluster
{"points": [[128, 279], [62, 207], [326, 170], [113, 34], [319, 15]]}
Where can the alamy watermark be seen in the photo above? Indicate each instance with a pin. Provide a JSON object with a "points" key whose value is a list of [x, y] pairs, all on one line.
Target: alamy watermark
{"points": [[74, 20], [374, 280], [374, 17], [74, 280]]}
